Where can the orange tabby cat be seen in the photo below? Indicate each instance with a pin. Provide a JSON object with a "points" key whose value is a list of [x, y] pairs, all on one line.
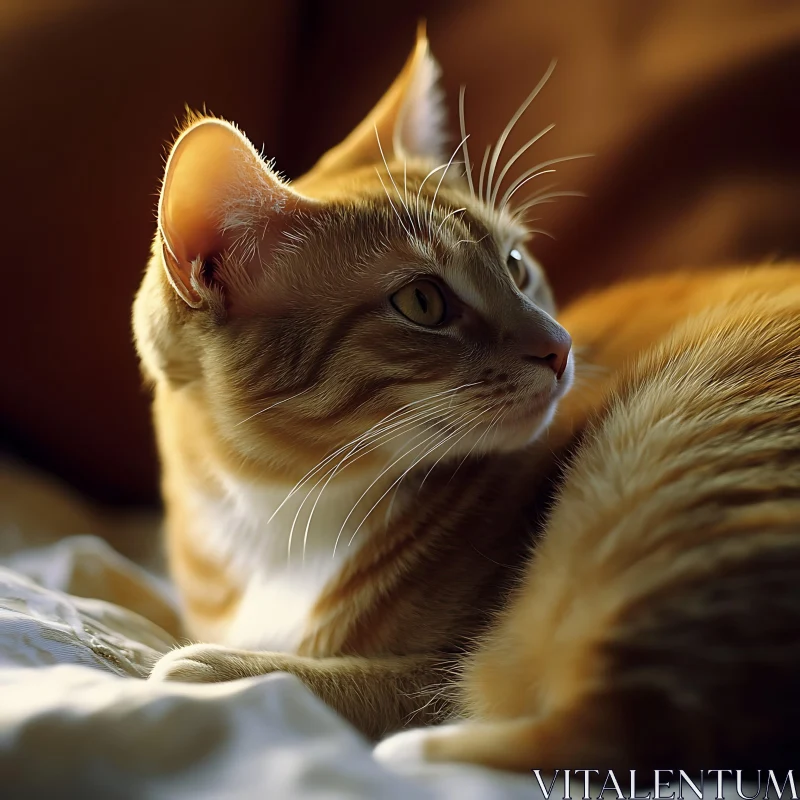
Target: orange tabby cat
{"points": [[329, 358], [657, 624]]}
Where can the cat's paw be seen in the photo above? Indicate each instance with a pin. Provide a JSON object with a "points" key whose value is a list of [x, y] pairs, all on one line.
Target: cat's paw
{"points": [[197, 663], [416, 745]]}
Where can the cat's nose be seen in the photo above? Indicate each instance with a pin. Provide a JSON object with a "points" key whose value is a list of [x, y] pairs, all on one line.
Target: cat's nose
{"points": [[550, 348]]}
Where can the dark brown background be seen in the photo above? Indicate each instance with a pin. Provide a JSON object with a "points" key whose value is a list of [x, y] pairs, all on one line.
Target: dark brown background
{"points": [[692, 108]]}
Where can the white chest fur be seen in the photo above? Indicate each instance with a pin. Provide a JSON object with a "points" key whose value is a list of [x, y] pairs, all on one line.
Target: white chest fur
{"points": [[280, 559]]}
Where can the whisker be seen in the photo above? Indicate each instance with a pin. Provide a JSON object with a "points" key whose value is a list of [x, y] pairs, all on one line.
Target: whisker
{"points": [[396, 481], [377, 440], [542, 191], [542, 232], [397, 213], [513, 121], [497, 428], [375, 481], [391, 177], [457, 211], [542, 197], [477, 442], [377, 425], [463, 125], [507, 197], [388, 515], [424, 180], [442, 177], [483, 169], [263, 410], [510, 163], [525, 175], [464, 435], [405, 188], [348, 460], [427, 474]]}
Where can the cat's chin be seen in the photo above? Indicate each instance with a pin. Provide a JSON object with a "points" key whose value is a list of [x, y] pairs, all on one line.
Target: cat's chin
{"points": [[523, 423], [517, 432], [528, 419]]}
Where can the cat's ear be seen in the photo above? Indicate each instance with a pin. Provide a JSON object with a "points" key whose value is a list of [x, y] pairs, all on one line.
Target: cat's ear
{"points": [[410, 120], [216, 190]]}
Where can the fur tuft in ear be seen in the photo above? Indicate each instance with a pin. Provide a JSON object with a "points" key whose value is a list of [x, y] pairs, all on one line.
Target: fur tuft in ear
{"points": [[410, 120], [419, 131], [216, 191]]}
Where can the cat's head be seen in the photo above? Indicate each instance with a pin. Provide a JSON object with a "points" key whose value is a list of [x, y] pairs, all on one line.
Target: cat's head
{"points": [[383, 293]]}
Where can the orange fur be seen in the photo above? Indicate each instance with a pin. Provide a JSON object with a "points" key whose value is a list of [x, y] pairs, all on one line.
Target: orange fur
{"points": [[353, 488], [269, 324], [656, 624]]}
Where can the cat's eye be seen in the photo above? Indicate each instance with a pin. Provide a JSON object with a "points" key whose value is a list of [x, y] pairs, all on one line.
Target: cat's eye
{"points": [[517, 269], [422, 302]]}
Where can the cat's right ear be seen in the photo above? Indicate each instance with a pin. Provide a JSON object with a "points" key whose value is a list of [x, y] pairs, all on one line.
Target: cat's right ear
{"points": [[217, 191], [409, 122]]}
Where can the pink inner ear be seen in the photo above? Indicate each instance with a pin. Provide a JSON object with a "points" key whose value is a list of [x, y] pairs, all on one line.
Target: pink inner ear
{"points": [[216, 188], [208, 168]]}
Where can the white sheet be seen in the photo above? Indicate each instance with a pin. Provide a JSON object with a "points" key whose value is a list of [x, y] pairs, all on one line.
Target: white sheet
{"points": [[77, 720]]}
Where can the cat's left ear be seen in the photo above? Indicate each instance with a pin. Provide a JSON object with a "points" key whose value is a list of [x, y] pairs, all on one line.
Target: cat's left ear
{"points": [[410, 120]]}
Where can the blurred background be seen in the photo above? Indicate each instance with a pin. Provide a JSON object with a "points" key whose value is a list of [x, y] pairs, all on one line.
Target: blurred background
{"points": [[691, 107]]}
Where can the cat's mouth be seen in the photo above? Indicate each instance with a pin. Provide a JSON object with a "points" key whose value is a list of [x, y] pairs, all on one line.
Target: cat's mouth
{"points": [[537, 408]]}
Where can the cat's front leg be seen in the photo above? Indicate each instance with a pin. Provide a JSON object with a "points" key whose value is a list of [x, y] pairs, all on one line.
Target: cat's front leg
{"points": [[377, 695], [213, 663]]}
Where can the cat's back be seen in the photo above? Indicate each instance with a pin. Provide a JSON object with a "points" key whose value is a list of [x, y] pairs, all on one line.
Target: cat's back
{"points": [[703, 431]]}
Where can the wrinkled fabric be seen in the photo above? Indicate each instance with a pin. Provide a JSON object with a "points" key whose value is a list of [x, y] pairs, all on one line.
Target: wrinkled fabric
{"points": [[77, 720], [41, 627]]}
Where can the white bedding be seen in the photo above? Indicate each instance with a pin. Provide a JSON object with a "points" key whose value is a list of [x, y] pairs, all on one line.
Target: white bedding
{"points": [[78, 720]]}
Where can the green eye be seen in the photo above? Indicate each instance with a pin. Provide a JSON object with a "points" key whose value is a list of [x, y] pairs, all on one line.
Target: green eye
{"points": [[421, 302], [517, 269]]}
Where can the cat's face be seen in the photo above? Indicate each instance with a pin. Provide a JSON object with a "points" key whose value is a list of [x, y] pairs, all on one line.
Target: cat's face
{"points": [[377, 304]]}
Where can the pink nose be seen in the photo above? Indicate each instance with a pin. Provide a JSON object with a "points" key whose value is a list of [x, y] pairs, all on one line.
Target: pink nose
{"points": [[551, 350]]}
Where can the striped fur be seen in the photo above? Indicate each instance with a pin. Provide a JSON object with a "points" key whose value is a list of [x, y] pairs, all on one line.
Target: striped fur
{"points": [[663, 581], [657, 624], [278, 355]]}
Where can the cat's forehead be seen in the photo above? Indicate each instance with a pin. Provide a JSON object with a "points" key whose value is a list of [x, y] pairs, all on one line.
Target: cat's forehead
{"points": [[395, 237], [370, 242], [466, 252], [463, 243]]}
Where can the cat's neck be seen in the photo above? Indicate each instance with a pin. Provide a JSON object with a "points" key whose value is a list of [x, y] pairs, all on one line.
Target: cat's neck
{"points": [[283, 543], [293, 525]]}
